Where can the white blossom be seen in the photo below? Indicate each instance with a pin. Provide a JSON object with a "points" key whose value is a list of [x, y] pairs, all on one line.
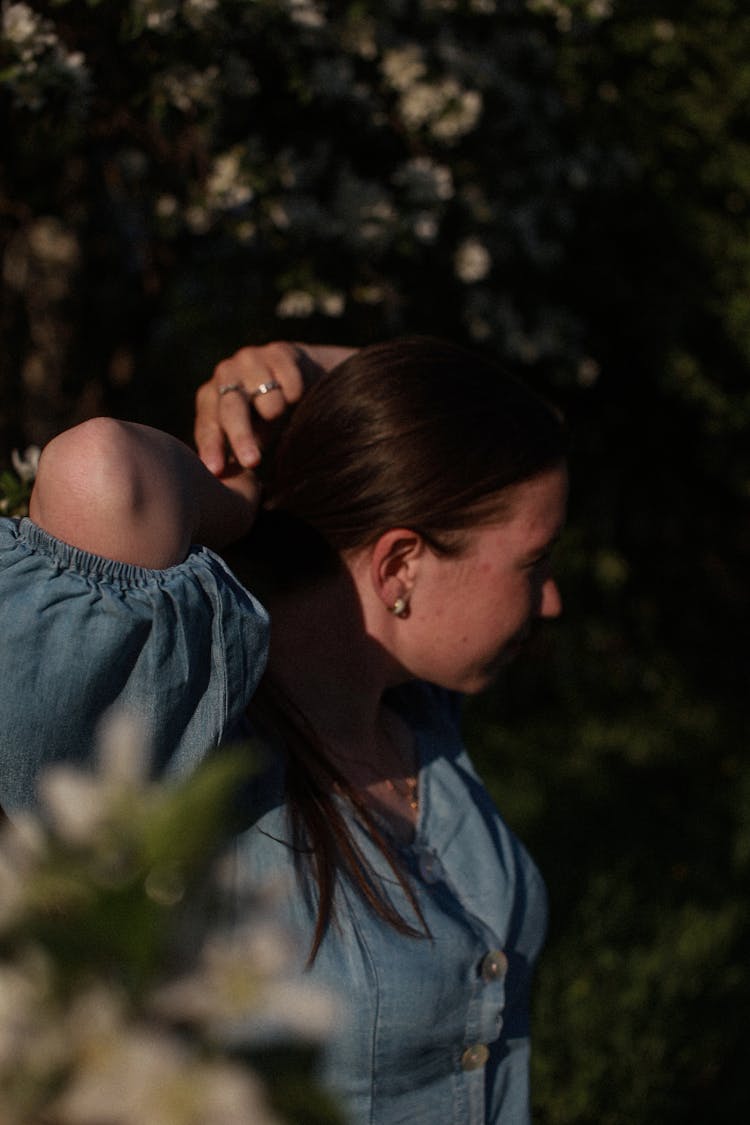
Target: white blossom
{"points": [[296, 303], [331, 303], [402, 67], [448, 110], [20, 23], [426, 226], [186, 88], [227, 186], [244, 990], [472, 261], [589, 370], [460, 114], [198, 218], [166, 206], [53, 243], [664, 30], [26, 466], [78, 803], [153, 1077], [158, 15], [306, 13], [31, 1037]]}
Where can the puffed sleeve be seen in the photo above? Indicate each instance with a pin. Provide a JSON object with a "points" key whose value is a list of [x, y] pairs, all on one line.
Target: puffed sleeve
{"points": [[181, 648]]}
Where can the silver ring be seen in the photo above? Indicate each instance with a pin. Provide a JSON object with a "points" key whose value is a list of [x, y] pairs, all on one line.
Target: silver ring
{"points": [[227, 387], [265, 388]]}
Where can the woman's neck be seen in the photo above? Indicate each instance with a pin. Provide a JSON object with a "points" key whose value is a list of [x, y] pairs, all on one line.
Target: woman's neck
{"points": [[323, 659], [324, 662]]}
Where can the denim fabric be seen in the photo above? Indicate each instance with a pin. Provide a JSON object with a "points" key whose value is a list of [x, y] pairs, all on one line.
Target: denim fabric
{"points": [[181, 648], [184, 648], [417, 1013]]}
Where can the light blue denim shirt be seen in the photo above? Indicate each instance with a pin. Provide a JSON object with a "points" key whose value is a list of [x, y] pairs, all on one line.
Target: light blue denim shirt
{"points": [[181, 648], [434, 1030]]}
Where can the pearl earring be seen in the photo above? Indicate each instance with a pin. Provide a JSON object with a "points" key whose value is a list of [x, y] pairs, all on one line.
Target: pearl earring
{"points": [[399, 607]]}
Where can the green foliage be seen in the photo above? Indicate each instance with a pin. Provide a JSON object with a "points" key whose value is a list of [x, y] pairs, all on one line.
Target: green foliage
{"points": [[14, 494]]}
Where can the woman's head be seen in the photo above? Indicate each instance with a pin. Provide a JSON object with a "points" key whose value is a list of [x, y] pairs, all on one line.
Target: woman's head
{"points": [[412, 433]]}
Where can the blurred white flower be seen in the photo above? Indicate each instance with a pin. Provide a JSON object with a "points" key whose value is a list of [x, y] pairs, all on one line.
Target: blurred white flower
{"points": [[198, 218], [472, 261], [426, 227], [588, 371], [186, 88], [242, 991], [123, 749], [153, 1077], [20, 23], [279, 215], [158, 15], [420, 102], [306, 13], [87, 1039], [296, 302], [26, 466], [29, 1027], [227, 186], [331, 303], [599, 9], [53, 243], [445, 107], [78, 803], [402, 67], [166, 206], [664, 30], [461, 112]]}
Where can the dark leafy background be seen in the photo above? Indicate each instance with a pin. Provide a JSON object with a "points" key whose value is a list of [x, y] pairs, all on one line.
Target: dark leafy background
{"points": [[180, 178]]}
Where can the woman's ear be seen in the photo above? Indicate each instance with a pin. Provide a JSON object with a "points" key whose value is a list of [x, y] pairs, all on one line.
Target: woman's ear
{"points": [[395, 560]]}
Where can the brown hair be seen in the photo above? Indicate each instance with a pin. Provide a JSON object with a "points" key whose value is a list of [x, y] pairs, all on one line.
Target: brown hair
{"points": [[413, 433]]}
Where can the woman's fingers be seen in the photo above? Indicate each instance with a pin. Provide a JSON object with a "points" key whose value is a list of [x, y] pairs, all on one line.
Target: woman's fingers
{"points": [[255, 385]]}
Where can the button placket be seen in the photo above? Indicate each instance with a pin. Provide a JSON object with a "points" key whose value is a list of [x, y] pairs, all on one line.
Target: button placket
{"points": [[494, 966], [475, 1056], [492, 971]]}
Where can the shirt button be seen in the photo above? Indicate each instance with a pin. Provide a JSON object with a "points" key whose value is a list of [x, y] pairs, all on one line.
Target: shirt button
{"points": [[494, 965], [430, 867], [475, 1057]]}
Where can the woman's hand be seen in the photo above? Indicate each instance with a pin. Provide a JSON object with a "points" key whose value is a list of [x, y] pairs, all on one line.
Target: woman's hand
{"points": [[248, 392]]}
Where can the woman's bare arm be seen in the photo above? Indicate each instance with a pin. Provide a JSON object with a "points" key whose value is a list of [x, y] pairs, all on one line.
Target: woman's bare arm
{"points": [[137, 495]]}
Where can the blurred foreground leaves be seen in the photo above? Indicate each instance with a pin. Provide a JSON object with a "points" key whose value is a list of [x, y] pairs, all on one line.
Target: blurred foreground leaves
{"points": [[127, 991]]}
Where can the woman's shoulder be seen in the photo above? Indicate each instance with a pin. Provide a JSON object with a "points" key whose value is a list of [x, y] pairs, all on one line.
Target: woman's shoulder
{"points": [[183, 648]]}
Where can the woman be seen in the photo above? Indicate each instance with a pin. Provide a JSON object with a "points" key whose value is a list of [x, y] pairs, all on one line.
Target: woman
{"points": [[403, 553]]}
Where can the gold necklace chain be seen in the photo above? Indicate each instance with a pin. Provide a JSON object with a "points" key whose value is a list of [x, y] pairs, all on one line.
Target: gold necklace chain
{"points": [[407, 791], [411, 796]]}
